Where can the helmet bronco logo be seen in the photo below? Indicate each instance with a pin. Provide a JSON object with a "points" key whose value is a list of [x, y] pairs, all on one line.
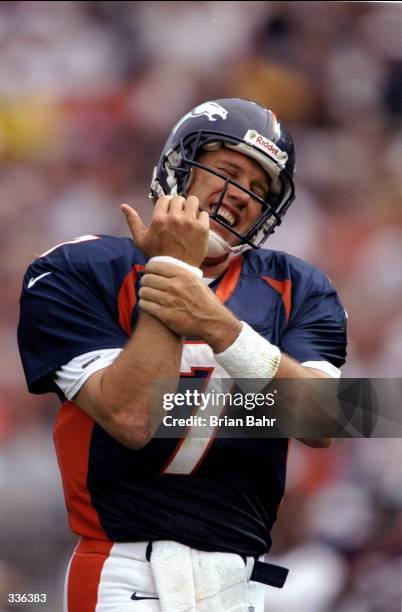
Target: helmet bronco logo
{"points": [[210, 109]]}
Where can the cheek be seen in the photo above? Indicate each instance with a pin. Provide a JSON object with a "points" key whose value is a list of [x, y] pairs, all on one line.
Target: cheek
{"points": [[253, 212], [204, 185], [197, 190]]}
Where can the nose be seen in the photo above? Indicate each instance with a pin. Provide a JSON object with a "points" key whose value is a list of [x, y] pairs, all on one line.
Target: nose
{"points": [[238, 196]]}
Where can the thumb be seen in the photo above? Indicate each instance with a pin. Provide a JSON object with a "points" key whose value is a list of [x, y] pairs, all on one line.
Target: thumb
{"points": [[134, 220]]}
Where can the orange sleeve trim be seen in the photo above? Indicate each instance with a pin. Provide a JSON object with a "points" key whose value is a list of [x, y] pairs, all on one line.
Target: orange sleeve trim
{"points": [[284, 288], [127, 298]]}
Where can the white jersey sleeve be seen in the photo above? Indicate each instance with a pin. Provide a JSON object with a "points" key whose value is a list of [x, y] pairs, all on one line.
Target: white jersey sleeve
{"points": [[71, 376]]}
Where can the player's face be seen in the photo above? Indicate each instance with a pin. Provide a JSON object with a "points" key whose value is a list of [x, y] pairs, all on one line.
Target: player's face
{"points": [[238, 208]]}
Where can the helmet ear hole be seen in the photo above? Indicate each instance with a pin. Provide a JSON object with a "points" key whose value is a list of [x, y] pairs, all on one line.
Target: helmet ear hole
{"points": [[274, 199]]}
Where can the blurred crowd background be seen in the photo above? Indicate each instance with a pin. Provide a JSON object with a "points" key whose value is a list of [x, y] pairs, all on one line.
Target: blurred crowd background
{"points": [[88, 94]]}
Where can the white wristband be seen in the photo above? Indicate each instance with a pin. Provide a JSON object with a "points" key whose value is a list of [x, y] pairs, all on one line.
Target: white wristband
{"points": [[250, 356], [177, 262]]}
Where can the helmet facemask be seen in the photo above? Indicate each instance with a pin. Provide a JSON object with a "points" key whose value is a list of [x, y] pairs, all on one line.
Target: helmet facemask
{"points": [[247, 128]]}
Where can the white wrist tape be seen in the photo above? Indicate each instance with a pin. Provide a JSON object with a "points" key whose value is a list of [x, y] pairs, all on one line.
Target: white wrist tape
{"points": [[250, 356], [177, 262]]}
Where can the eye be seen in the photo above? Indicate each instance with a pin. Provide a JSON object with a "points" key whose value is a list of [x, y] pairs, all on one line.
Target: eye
{"points": [[260, 191], [227, 171]]}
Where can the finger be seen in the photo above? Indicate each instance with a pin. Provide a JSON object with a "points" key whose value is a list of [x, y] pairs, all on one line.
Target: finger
{"points": [[177, 204], [153, 295], [133, 219], [203, 218], [151, 308], [166, 270], [155, 281], [162, 204], [192, 206], [158, 312]]}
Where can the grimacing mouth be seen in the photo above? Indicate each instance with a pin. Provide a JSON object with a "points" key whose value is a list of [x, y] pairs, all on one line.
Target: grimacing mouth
{"points": [[227, 214]]}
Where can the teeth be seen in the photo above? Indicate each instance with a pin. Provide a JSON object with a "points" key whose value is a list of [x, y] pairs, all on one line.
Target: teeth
{"points": [[227, 216]]}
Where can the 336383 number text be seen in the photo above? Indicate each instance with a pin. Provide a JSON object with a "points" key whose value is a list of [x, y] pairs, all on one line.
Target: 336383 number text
{"points": [[26, 598]]}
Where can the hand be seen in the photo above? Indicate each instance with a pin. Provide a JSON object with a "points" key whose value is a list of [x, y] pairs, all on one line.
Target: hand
{"points": [[185, 305], [178, 228]]}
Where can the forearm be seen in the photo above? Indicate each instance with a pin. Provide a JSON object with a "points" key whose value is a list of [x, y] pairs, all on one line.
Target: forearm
{"points": [[311, 401], [120, 397], [308, 407]]}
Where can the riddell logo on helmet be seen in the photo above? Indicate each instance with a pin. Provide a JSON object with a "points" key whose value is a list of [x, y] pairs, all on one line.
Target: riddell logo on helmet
{"points": [[256, 139]]}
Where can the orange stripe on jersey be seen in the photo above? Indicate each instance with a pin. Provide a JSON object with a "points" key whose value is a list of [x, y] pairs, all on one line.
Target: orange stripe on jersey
{"points": [[127, 298], [72, 438], [84, 575], [228, 283], [284, 288]]}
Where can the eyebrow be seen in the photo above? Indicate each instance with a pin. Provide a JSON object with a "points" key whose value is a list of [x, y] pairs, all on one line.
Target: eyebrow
{"points": [[265, 183]]}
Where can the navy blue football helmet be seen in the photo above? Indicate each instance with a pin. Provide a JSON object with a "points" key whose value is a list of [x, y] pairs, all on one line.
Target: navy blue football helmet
{"points": [[246, 127]]}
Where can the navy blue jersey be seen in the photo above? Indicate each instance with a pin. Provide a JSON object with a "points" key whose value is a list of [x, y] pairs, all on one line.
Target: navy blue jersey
{"points": [[82, 297]]}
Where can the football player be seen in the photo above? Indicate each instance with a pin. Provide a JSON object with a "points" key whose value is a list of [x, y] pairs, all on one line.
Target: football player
{"points": [[166, 523]]}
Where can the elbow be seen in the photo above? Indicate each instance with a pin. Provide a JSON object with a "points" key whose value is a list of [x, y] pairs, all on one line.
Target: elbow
{"points": [[133, 435], [133, 432], [127, 422], [133, 441]]}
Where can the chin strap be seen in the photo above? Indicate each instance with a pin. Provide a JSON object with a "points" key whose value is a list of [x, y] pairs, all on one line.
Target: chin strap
{"points": [[217, 246]]}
